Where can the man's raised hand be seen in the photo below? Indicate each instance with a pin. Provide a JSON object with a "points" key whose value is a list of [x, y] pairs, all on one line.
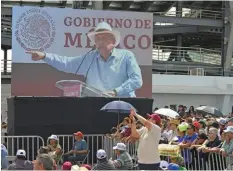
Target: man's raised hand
{"points": [[132, 113], [36, 55]]}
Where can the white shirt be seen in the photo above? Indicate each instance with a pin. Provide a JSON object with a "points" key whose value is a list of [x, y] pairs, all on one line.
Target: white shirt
{"points": [[148, 152]]}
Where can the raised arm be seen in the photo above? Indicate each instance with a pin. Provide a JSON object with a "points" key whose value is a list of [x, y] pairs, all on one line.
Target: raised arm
{"points": [[65, 63]]}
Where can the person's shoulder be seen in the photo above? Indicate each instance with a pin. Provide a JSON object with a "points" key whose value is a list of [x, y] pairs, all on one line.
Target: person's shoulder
{"points": [[58, 146], [83, 141], [125, 52], [156, 127]]}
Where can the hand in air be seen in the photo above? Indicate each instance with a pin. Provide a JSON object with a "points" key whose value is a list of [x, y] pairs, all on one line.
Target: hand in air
{"points": [[36, 55], [111, 93], [132, 113]]}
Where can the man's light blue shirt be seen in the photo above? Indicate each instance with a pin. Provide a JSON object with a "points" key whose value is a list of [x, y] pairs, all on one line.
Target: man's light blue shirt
{"points": [[4, 153], [120, 72]]}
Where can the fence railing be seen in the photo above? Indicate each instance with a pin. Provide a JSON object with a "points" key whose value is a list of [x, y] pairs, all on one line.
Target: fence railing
{"points": [[172, 69], [31, 144], [193, 159], [189, 54], [197, 13], [6, 67], [94, 141]]}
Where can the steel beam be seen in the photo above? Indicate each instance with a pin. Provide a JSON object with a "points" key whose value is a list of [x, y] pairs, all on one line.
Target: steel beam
{"points": [[85, 3], [6, 41], [127, 4], [146, 5], [229, 51], [6, 10], [188, 21], [175, 29], [106, 4]]}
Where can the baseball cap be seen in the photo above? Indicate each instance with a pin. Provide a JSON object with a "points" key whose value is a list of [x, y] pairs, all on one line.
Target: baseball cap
{"points": [[101, 154], [80, 134], [120, 146], [229, 129], [75, 168], [222, 121], [163, 164], [196, 124], [202, 122], [183, 127], [67, 166], [21, 153], [173, 166], [154, 117]]}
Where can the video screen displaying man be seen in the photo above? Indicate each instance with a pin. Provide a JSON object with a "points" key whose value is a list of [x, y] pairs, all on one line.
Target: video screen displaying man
{"points": [[113, 71]]}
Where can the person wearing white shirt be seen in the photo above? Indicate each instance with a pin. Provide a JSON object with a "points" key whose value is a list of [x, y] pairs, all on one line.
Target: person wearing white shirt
{"points": [[149, 136]]}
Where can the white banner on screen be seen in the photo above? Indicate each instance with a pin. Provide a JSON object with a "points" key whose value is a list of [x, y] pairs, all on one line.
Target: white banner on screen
{"points": [[63, 31]]}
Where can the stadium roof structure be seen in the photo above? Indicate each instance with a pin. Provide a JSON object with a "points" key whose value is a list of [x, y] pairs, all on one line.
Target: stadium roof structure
{"points": [[193, 36]]}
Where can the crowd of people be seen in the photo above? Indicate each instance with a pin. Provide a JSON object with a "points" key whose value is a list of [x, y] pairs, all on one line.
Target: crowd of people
{"points": [[198, 137]]}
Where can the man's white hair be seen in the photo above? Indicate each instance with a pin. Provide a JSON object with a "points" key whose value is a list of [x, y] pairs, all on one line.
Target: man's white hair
{"points": [[214, 130]]}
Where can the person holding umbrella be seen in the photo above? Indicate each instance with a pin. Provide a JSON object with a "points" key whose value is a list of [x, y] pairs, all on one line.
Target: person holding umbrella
{"points": [[149, 137]]}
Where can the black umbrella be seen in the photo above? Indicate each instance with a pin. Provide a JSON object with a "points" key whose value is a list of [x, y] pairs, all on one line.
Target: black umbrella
{"points": [[118, 107], [210, 110]]}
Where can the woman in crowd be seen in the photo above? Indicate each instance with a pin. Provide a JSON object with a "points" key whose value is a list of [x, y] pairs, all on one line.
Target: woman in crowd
{"points": [[149, 136], [191, 110], [54, 148], [182, 128]]}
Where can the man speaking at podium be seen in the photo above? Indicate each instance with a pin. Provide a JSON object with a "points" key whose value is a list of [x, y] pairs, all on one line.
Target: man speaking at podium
{"points": [[111, 70]]}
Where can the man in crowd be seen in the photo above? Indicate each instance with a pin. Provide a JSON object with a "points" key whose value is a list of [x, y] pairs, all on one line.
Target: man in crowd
{"points": [[149, 137], [227, 147], [44, 162], [124, 160], [4, 153], [79, 151], [187, 142], [230, 122], [102, 161], [21, 163], [111, 70]]}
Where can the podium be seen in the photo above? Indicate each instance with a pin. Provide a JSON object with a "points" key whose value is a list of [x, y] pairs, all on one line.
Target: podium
{"points": [[77, 88]]}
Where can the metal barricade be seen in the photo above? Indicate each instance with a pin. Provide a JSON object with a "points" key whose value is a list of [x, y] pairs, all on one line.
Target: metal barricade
{"points": [[31, 144], [94, 142], [110, 142], [197, 160]]}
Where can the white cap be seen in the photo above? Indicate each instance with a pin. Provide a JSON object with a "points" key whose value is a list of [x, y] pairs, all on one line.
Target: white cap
{"points": [[53, 137], [120, 146], [229, 129], [163, 164], [101, 154], [21, 153], [74, 168]]}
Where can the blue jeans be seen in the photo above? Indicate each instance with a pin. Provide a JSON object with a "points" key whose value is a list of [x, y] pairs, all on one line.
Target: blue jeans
{"points": [[154, 166]]}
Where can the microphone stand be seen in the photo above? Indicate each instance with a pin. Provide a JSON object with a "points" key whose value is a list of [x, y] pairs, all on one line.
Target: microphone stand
{"points": [[84, 59]]}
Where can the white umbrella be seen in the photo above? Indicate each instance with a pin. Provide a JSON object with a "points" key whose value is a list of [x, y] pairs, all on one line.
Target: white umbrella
{"points": [[167, 112]]}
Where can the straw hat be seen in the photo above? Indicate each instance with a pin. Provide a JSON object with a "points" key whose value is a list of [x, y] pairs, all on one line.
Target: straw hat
{"points": [[104, 27]]}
